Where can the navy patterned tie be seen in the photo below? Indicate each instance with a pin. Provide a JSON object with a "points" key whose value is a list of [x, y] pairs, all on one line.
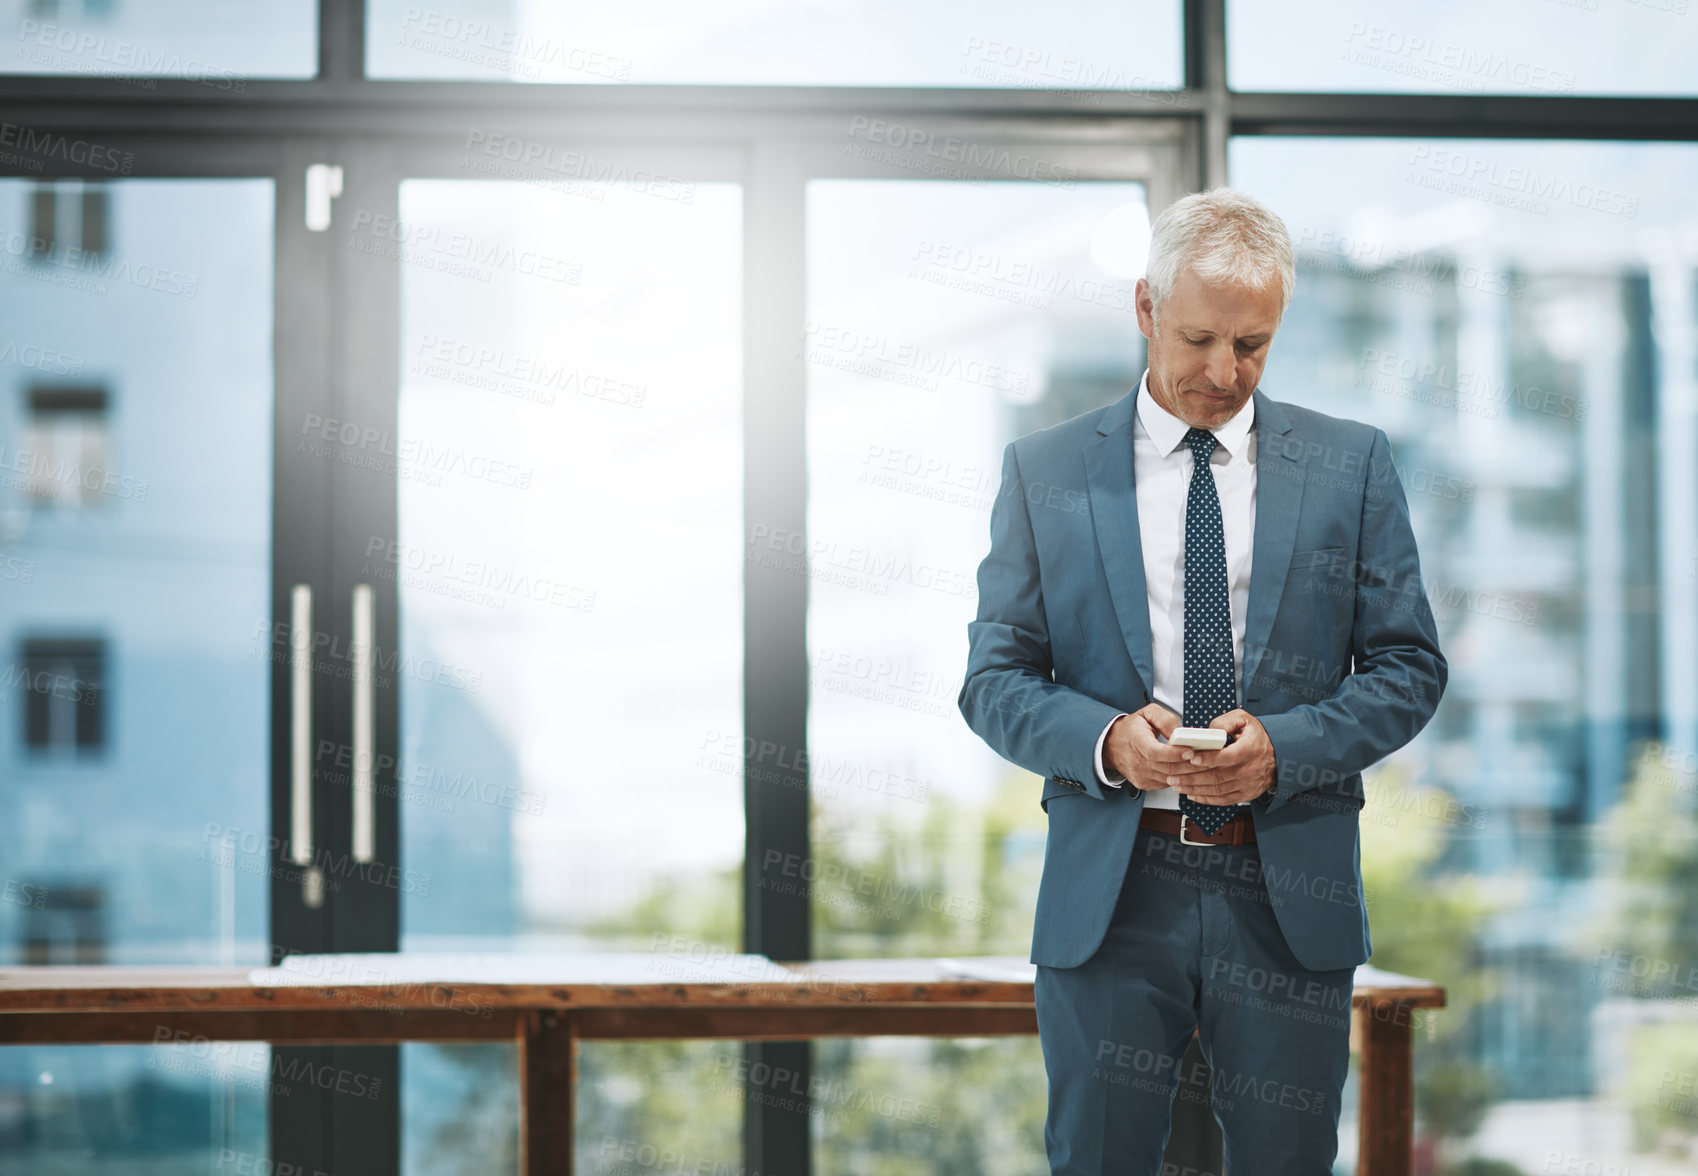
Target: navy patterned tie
{"points": [[1209, 686]]}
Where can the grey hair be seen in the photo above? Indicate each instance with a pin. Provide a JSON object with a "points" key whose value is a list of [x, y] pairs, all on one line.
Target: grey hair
{"points": [[1222, 235]]}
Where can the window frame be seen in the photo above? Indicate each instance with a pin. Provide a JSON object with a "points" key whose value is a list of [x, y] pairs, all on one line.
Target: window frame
{"points": [[783, 134]]}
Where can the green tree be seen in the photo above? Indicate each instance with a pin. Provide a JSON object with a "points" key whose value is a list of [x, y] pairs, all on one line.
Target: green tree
{"points": [[1649, 876], [1426, 924], [1646, 941]]}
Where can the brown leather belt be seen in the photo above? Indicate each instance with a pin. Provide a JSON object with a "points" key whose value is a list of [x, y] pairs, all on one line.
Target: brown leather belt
{"points": [[1240, 830]]}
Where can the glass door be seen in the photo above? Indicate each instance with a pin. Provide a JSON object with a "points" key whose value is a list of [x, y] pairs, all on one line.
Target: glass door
{"points": [[583, 400], [142, 553], [949, 308], [538, 471]]}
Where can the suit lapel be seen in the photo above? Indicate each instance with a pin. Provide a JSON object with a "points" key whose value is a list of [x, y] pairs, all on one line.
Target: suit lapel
{"points": [[1110, 475], [1279, 495], [1114, 513]]}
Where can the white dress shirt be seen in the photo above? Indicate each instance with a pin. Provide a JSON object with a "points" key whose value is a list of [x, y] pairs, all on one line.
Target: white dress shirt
{"points": [[1161, 472]]}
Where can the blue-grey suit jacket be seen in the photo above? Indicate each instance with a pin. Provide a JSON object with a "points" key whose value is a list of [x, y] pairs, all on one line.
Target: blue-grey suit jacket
{"points": [[1341, 659]]}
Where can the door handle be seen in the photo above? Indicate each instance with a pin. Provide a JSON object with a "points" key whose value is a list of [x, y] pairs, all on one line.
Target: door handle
{"points": [[300, 744], [365, 831]]}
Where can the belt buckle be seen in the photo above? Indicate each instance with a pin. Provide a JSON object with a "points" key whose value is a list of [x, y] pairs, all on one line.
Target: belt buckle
{"points": [[1183, 817]]}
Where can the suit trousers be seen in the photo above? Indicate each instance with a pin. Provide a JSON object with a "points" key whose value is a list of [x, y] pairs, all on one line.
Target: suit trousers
{"points": [[1193, 946]]}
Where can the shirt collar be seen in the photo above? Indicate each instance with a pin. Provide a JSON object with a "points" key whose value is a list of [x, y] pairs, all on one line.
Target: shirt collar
{"points": [[1168, 431]]}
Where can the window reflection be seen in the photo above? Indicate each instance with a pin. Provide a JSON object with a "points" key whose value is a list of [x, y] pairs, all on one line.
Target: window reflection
{"points": [[1525, 336], [1550, 48], [943, 320], [136, 415], [217, 45], [1084, 46], [572, 354]]}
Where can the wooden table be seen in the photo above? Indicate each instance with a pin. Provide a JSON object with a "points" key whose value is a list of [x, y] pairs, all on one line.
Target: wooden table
{"points": [[546, 1004]]}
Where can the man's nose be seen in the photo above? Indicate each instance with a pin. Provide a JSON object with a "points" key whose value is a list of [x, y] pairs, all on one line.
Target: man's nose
{"points": [[1223, 367]]}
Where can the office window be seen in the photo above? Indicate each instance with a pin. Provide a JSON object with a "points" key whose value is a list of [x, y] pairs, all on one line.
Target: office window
{"points": [[591, 390], [134, 748], [68, 216], [67, 445], [64, 703], [1533, 47], [572, 780], [944, 319], [1529, 357], [217, 45], [1082, 45], [64, 925]]}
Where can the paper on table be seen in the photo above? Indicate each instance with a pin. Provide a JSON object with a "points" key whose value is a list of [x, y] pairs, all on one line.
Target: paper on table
{"points": [[1002, 971], [635, 967], [1368, 976]]}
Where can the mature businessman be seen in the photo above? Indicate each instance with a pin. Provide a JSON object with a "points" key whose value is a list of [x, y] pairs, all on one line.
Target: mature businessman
{"points": [[1199, 554]]}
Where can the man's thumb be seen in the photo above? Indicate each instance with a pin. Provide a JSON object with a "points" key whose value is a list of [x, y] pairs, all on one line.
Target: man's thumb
{"points": [[1162, 719]]}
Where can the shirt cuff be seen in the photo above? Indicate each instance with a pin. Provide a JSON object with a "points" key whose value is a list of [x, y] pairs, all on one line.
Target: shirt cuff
{"points": [[1103, 776]]}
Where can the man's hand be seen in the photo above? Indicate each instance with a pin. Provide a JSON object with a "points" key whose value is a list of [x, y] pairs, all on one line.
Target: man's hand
{"points": [[1133, 750], [1242, 770]]}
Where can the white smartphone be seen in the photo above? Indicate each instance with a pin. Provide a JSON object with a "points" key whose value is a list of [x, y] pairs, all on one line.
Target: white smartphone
{"points": [[1202, 738]]}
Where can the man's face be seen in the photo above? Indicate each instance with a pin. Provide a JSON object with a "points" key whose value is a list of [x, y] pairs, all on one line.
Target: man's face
{"points": [[1213, 343]]}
